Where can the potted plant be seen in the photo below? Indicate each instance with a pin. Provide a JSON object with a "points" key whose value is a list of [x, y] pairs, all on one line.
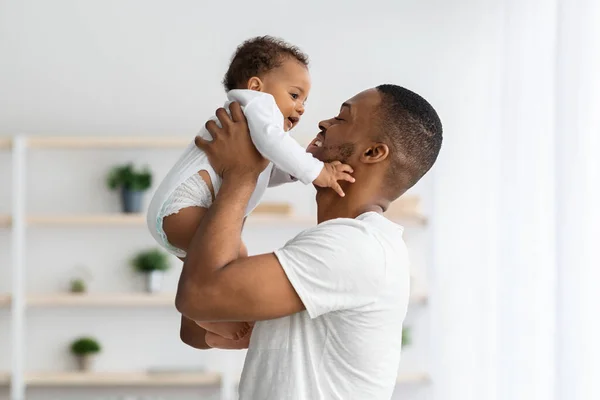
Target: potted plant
{"points": [[406, 337], [84, 349], [132, 183], [153, 263], [78, 286]]}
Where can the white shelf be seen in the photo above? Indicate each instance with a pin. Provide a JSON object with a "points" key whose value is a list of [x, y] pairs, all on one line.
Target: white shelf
{"points": [[412, 378], [92, 142], [64, 379], [102, 300]]}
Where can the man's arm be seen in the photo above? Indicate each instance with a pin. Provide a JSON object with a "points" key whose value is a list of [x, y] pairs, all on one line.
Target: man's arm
{"points": [[217, 286]]}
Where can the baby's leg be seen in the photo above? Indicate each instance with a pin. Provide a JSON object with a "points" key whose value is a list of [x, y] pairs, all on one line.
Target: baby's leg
{"points": [[180, 229]]}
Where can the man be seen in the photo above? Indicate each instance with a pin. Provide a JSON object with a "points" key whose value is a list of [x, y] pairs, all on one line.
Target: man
{"points": [[330, 303]]}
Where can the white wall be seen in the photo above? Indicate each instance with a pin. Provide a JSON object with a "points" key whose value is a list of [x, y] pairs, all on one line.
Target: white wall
{"points": [[148, 67]]}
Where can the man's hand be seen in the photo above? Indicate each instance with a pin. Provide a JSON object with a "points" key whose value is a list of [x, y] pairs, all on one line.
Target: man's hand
{"points": [[231, 152]]}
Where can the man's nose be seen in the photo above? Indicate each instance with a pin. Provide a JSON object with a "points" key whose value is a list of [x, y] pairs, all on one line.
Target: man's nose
{"points": [[324, 125]]}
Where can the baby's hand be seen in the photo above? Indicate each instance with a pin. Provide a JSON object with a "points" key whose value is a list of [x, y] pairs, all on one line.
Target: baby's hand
{"points": [[332, 173]]}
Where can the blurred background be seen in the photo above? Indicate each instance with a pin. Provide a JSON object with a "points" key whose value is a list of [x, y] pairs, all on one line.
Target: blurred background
{"points": [[505, 300]]}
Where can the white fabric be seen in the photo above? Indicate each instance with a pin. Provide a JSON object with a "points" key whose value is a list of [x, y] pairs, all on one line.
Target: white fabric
{"points": [[194, 192], [353, 278], [267, 132]]}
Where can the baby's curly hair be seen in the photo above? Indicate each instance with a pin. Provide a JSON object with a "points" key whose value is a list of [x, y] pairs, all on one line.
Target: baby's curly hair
{"points": [[257, 56]]}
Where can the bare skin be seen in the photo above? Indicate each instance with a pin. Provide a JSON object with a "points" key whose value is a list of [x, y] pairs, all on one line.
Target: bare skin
{"points": [[216, 284], [290, 85]]}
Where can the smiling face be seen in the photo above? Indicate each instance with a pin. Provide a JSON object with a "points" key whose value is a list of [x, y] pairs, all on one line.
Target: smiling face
{"points": [[289, 84], [345, 136]]}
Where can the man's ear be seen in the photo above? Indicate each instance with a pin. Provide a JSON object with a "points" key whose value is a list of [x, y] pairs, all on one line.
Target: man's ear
{"points": [[375, 153], [255, 83]]}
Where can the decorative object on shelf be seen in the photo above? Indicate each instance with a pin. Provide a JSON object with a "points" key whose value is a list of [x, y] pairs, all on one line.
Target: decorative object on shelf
{"points": [[133, 183], [80, 277], [84, 349], [406, 337], [78, 286], [153, 263]]}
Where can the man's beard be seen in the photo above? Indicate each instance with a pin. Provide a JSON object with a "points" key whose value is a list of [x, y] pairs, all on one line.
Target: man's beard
{"points": [[339, 153]]}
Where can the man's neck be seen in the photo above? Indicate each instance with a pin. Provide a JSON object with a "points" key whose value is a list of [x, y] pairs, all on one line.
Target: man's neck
{"points": [[330, 205]]}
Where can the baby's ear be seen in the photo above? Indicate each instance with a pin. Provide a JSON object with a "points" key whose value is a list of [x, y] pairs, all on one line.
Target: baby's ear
{"points": [[255, 83]]}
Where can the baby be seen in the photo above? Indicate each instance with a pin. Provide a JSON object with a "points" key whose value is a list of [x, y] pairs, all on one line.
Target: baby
{"points": [[270, 80]]}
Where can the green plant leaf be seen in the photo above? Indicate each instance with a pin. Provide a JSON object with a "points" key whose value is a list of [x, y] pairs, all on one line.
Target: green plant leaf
{"points": [[128, 177], [151, 260], [85, 345]]}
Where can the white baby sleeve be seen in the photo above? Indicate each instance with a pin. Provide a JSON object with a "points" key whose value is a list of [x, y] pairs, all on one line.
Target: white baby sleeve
{"points": [[266, 128]]}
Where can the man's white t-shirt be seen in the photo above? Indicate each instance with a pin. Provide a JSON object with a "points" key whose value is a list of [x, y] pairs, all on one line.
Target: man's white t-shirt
{"points": [[353, 278]]}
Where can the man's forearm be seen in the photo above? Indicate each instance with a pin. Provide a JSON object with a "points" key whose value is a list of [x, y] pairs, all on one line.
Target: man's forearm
{"points": [[217, 240]]}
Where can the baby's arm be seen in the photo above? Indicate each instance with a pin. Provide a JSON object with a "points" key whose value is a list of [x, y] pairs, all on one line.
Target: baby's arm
{"points": [[288, 156], [275, 144]]}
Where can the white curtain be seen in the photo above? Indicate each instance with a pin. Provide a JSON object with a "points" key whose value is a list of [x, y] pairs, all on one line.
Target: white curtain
{"points": [[578, 205], [516, 218]]}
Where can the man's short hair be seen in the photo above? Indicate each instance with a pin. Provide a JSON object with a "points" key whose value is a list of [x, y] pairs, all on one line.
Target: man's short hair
{"points": [[413, 130], [258, 56]]}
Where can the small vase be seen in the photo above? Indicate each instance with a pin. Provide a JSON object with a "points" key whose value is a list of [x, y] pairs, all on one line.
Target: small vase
{"points": [[154, 281], [85, 362], [132, 200]]}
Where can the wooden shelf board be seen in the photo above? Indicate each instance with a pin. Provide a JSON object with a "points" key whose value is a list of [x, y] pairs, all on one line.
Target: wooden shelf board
{"points": [[412, 378], [62, 379], [419, 298], [5, 143], [122, 300], [4, 300], [102, 300], [140, 220], [5, 220], [94, 142], [87, 219]]}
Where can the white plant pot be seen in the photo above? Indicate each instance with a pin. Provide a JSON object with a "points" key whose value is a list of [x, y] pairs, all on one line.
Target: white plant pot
{"points": [[85, 363], [154, 281]]}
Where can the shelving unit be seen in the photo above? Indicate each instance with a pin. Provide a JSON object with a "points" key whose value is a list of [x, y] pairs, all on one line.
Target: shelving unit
{"points": [[91, 142], [19, 221], [5, 221], [4, 300], [102, 300], [138, 220], [99, 300], [413, 378], [112, 379]]}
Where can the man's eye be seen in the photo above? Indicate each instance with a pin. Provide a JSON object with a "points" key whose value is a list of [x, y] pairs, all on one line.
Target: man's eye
{"points": [[338, 119]]}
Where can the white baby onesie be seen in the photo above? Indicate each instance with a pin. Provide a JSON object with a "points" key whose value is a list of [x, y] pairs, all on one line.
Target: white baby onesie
{"points": [[183, 187]]}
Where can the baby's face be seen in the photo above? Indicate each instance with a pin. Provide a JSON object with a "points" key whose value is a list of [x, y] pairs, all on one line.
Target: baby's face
{"points": [[289, 85]]}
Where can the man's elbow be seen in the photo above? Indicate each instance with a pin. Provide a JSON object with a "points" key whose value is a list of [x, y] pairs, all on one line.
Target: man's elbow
{"points": [[193, 302]]}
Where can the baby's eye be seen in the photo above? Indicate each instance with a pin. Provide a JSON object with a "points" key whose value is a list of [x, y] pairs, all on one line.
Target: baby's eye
{"points": [[294, 96]]}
